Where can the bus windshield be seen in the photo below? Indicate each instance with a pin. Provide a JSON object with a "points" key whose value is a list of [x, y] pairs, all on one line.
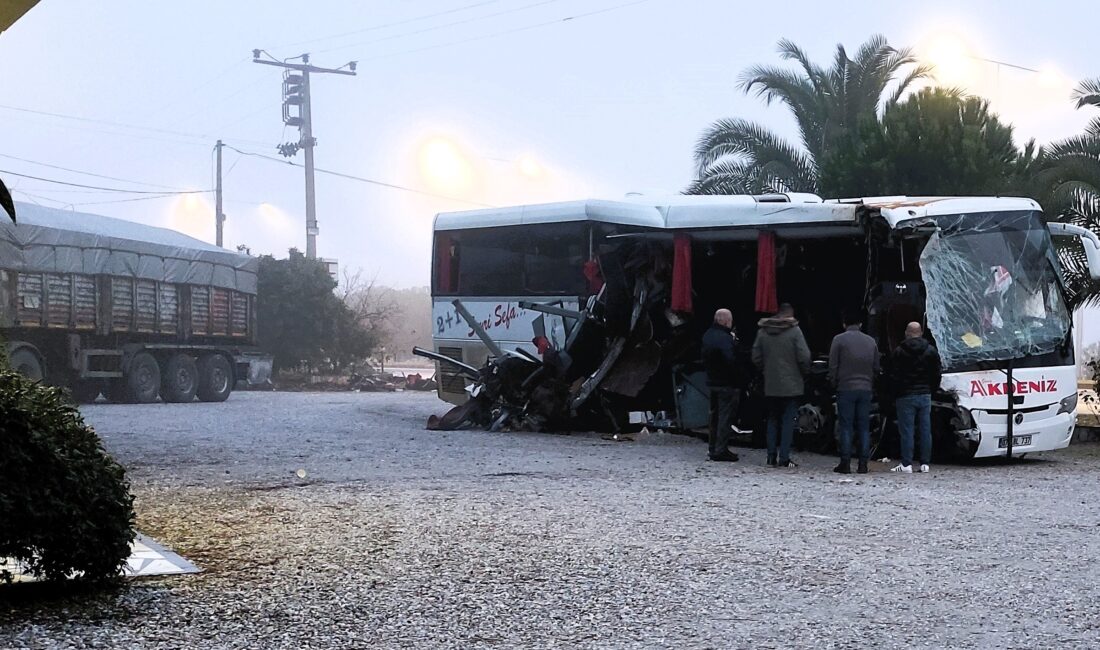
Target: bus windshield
{"points": [[993, 287]]}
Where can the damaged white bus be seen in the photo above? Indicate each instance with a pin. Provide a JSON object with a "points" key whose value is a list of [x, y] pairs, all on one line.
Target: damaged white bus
{"points": [[981, 273]]}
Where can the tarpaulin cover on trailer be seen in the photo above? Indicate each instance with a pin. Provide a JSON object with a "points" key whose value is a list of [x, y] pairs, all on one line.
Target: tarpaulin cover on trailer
{"points": [[48, 240]]}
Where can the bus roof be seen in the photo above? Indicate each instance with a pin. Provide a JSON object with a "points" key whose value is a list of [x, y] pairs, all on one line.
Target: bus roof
{"points": [[681, 212], [898, 209]]}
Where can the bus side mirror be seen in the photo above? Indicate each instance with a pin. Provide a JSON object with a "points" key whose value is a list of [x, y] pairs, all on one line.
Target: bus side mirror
{"points": [[1089, 241]]}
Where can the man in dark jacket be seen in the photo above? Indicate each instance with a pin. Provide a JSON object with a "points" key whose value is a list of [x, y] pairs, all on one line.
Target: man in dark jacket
{"points": [[915, 374], [723, 379], [780, 351], [853, 366]]}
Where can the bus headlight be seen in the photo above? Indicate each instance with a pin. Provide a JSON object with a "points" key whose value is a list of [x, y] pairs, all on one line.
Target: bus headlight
{"points": [[1068, 405]]}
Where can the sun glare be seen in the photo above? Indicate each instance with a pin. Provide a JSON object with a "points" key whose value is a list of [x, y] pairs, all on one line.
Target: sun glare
{"points": [[530, 167], [444, 165], [952, 58]]}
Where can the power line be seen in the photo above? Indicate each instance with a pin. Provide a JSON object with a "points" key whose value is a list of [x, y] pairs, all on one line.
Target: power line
{"points": [[118, 125], [202, 86], [443, 26], [386, 25], [114, 134], [84, 173], [97, 187], [140, 198], [223, 100], [369, 181], [33, 198], [509, 31]]}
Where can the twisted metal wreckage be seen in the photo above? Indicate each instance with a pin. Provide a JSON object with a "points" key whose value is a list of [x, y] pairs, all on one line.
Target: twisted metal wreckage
{"points": [[614, 347]]}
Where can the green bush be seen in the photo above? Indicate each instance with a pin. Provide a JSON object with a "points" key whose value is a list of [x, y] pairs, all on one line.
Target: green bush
{"points": [[65, 505]]}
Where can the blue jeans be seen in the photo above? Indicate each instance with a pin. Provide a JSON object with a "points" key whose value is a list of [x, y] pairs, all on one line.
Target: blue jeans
{"points": [[782, 412], [853, 407], [915, 409]]}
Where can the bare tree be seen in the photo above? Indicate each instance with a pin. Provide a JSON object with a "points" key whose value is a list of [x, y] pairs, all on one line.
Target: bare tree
{"points": [[375, 307]]}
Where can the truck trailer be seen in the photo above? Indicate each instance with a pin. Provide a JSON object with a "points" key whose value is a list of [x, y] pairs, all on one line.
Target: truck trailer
{"points": [[135, 312]]}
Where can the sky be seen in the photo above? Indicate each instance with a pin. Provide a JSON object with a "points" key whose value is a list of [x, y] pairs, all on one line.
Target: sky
{"points": [[469, 102]]}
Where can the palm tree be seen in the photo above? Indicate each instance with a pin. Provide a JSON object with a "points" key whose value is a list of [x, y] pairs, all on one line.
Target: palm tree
{"points": [[1070, 190], [1072, 174], [738, 156]]}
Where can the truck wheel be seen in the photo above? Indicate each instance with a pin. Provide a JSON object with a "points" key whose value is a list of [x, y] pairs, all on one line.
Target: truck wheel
{"points": [[180, 379], [215, 378], [26, 362], [143, 379]]}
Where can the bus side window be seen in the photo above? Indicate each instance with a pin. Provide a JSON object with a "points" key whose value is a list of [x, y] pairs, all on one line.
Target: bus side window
{"points": [[554, 263], [491, 262]]}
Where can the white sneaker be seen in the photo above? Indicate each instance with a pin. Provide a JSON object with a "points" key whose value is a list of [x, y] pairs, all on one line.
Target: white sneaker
{"points": [[904, 469], [923, 469]]}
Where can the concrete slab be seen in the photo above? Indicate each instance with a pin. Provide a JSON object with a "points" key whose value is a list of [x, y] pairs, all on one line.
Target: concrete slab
{"points": [[147, 558]]}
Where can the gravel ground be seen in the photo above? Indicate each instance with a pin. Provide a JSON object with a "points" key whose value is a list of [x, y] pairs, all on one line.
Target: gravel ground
{"points": [[399, 537]]}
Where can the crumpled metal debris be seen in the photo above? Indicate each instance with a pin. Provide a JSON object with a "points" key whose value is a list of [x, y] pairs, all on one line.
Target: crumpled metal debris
{"points": [[610, 356]]}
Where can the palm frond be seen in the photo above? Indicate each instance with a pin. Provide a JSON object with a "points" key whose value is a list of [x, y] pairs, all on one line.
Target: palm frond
{"points": [[726, 177], [799, 93], [750, 144], [1077, 146], [742, 138], [915, 74], [790, 51], [1087, 93]]}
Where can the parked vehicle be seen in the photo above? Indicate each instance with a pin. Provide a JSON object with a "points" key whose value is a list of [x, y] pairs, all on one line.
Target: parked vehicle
{"points": [[101, 305], [980, 273]]}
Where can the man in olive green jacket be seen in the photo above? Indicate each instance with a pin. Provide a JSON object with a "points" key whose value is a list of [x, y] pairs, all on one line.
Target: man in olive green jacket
{"points": [[781, 353]]}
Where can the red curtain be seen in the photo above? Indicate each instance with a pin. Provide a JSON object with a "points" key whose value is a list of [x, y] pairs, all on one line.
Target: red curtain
{"points": [[445, 280], [681, 273], [592, 274], [767, 302]]}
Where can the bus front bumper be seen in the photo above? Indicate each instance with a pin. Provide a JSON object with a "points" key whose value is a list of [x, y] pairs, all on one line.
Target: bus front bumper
{"points": [[1044, 434]]}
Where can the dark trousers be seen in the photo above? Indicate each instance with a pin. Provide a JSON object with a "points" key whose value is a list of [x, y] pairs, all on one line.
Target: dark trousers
{"points": [[853, 415], [915, 411], [723, 407], [782, 413]]}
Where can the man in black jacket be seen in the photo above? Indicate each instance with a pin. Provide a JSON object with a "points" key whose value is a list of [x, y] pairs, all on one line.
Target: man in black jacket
{"points": [[725, 379], [915, 374]]}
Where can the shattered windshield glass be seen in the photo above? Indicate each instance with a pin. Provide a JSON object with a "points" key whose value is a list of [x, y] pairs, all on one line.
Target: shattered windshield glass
{"points": [[993, 288]]}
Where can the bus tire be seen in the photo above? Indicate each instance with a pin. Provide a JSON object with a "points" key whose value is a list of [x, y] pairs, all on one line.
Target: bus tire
{"points": [[180, 380], [143, 379], [27, 363], [215, 378]]}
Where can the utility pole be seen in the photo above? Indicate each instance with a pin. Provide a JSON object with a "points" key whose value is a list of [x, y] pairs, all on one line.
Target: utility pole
{"points": [[219, 217], [296, 94]]}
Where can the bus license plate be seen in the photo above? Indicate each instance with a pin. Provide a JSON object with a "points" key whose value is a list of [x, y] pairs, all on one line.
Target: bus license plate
{"points": [[1017, 441]]}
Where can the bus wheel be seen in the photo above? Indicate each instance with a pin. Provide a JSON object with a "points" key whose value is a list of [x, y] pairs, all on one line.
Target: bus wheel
{"points": [[215, 378], [26, 362], [143, 379], [180, 379]]}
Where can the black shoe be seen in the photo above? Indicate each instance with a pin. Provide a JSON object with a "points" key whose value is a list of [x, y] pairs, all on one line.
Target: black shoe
{"points": [[862, 467], [726, 458], [771, 461], [845, 467], [786, 464]]}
